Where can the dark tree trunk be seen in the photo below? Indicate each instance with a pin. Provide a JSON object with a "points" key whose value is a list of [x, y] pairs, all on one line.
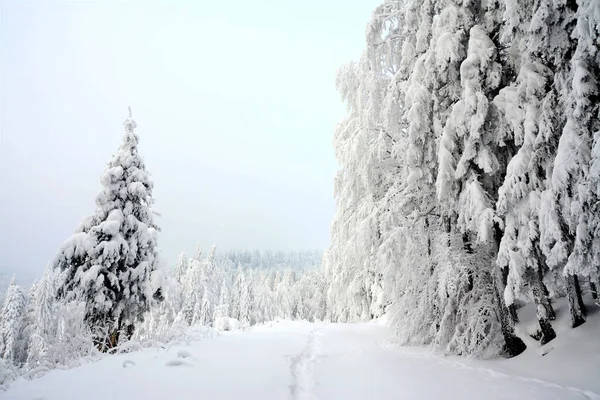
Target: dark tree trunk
{"points": [[468, 248], [448, 227], [543, 267], [593, 289], [544, 308], [428, 236], [579, 295], [576, 306], [512, 313], [513, 345], [130, 331]]}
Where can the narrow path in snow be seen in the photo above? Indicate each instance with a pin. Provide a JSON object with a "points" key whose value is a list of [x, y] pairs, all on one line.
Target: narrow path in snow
{"points": [[302, 368], [288, 361]]}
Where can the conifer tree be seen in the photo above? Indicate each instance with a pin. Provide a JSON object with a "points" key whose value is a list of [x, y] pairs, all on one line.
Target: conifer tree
{"points": [[110, 262], [11, 322]]}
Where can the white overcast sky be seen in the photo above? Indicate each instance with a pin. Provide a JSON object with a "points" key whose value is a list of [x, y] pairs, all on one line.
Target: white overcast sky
{"points": [[235, 103]]}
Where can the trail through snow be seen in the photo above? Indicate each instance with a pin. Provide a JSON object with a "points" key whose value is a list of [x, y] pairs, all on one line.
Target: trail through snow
{"points": [[302, 367], [295, 361]]}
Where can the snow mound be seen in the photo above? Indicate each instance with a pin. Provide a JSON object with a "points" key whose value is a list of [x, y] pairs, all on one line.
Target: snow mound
{"points": [[224, 324]]}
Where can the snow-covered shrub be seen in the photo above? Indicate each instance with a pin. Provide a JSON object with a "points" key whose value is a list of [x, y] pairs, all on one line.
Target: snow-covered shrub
{"points": [[7, 374]]}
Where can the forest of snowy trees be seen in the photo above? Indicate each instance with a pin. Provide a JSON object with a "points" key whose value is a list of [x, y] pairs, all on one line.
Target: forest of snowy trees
{"points": [[42, 329], [469, 188], [470, 171], [108, 290]]}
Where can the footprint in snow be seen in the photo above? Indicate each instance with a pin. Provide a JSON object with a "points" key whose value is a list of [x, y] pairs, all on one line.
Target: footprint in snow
{"points": [[178, 363], [183, 354]]}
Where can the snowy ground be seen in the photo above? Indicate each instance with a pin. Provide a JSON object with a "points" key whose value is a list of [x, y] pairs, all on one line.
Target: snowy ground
{"points": [[299, 360]]}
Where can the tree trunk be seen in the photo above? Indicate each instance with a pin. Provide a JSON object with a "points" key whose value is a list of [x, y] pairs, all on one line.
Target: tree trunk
{"points": [[540, 271], [576, 306], [428, 236], [544, 308], [513, 345], [593, 288], [114, 339], [468, 248], [448, 229], [130, 331], [512, 309]]}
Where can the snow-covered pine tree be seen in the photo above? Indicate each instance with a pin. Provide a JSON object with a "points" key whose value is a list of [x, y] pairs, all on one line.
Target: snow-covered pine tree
{"points": [[205, 316], [577, 184], [262, 300], [538, 33], [478, 172], [189, 297], [245, 310], [43, 317], [110, 262], [506, 92], [181, 268], [370, 147], [211, 283], [198, 256], [222, 309], [27, 325], [11, 320], [365, 145]]}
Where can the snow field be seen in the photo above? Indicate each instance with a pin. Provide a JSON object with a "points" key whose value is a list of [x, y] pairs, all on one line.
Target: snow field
{"points": [[304, 361]]}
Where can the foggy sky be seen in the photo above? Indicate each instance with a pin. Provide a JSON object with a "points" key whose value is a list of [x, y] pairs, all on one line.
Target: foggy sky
{"points": [[235, 103]]}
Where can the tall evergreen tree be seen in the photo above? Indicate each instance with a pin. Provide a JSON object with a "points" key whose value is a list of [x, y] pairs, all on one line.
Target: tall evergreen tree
{"points": [[181, 268], [577, 183], [110, 262], [11, 322]]}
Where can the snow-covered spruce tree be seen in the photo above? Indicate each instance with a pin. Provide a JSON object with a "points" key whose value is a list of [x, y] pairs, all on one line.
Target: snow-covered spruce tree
{"points": [[11, 320], [434, 49], [519, 197], [246, 300], [263, 299], [43, 320], [564, 207], [205, 316], [200, 289], [473, 137], [285, 295], [181, 268], [539, 35], [110, 262], [27, 325], [365, 144], [222, 310], [190, 288], [576, 179], [236, 293], [211, 285], [197, 317]]}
